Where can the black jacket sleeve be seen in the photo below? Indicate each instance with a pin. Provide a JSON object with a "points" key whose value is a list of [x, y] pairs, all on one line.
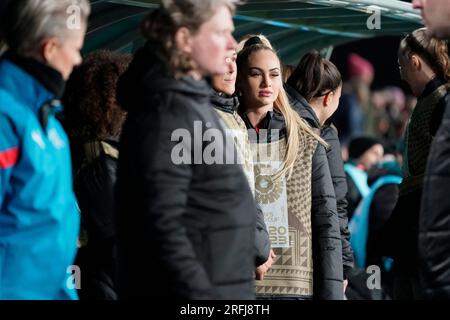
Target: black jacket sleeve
{"points": [[94, 188], [434, 221], [330, 135], [327, 247], [383, 203], [262, 241]]}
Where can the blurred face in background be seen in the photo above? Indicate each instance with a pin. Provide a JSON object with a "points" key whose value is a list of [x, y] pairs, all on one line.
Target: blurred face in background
{"points": [[227, 83], [210, 46], [436, 16], [261, 82], [371, 156]]}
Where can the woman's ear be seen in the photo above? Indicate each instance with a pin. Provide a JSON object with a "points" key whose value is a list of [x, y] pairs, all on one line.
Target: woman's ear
{"points": [[416, 63], [328, 98], [48, 49], [183, 40]]}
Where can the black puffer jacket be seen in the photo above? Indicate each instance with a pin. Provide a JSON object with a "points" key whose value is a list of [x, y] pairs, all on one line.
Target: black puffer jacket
{"points": [[262, 243], [329, 133], [326, 239], [94, 183], [185, 231], [434, 222]]}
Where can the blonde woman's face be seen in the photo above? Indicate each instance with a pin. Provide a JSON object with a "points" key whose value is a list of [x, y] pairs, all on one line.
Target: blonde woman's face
{"points": [[261, 82], [211, 45]]}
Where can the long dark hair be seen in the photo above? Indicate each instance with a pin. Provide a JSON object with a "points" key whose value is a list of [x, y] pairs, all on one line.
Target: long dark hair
{"points": [[314, 76]]}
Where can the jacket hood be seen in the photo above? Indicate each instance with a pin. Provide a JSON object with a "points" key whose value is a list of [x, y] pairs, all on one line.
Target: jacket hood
{"points": [[149, 74], [224, 103], [303, 108]]}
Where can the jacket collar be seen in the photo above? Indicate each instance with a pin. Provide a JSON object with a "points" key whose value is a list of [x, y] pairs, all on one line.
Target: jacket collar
{"points": [[431, 87], [224, 103], [27, 89], [273, 120], [48, 77]]}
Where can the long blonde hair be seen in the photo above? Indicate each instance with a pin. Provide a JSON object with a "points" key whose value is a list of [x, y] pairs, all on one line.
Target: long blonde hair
{"points": [[297, 129]]}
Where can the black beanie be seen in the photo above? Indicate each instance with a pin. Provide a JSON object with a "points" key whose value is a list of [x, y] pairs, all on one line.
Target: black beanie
{"points": [[359, 145]]}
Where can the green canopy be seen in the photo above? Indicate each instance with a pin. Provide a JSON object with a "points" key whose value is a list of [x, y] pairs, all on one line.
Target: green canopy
{"points": [[293, 26]]}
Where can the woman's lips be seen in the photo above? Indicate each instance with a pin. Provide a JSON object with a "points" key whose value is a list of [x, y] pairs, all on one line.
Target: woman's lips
{"points": [[265, 94]]}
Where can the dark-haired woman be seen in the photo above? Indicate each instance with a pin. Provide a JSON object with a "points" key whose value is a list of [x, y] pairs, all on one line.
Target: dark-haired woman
{"points": [[293, 184], [314, 89], [93, 120], [186, 220], [425, 66]]}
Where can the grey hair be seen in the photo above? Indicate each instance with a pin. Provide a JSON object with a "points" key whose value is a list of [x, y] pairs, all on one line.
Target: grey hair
{"points": [[29, 22]]}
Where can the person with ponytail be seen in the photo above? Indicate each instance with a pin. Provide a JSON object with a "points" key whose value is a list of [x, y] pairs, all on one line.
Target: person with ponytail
{"points": [[314, 89], [293, 184], [425, 66], [186, 220]]}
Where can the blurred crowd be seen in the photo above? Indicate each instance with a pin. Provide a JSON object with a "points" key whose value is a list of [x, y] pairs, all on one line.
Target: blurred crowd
{"points": [[202, 168]]}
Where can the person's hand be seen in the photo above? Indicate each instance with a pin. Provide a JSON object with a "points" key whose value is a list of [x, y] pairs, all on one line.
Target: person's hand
{"points": [[261, 271], [269, 261], [345, 285]]}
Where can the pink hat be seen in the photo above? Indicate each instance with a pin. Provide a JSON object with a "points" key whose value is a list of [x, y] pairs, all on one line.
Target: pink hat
{"points": [[358, 66]]}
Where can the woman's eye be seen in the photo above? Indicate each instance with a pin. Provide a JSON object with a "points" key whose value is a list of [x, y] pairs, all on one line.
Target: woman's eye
{"points": [[255, 74], [274, 75]]}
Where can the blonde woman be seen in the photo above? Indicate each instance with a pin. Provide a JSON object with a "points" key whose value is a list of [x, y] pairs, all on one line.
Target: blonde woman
{"points": [[293, 184]]}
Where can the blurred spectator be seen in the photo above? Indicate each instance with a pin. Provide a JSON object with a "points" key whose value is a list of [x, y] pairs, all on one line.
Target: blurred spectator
{"points": [[93, 120], [364, 152], [424, 65], [434, 234], [388, 113], [365, 225], [355, 101], [39, 221]]}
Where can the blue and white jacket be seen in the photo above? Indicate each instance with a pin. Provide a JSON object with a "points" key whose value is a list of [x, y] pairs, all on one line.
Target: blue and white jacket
{"points": [[39, 222]]}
